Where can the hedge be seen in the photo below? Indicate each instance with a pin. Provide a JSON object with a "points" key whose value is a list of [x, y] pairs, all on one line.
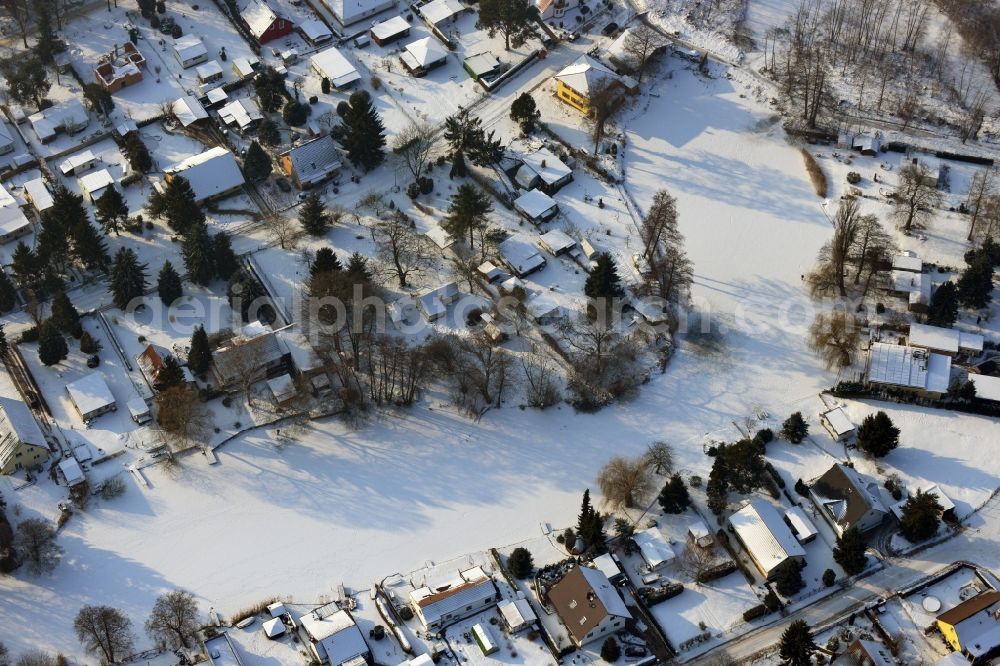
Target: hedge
{"points": [[718, 571], [760, 610]]}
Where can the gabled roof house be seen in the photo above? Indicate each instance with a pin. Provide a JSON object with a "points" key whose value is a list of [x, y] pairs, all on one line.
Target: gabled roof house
{"points": [[846, 499]]}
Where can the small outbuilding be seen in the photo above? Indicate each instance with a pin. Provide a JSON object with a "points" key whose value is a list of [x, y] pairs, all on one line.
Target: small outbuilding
{"points": [[274, 628], [536, 206], [315, 32], [434, 303], [387, 31], [188, 110], [438, 12], [423, 55], [802, 527], [517, 615], [838, 424], [653, 547], [331, 64], [189, 51], [78, 164], [91, 396], [139, 410], [71, 473], [699, 534], [556, 242], [482, 66], [520, 257], [94, 184], [209, 72]]}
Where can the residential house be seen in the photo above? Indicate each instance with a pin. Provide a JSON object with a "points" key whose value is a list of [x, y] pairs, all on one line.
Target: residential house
{"points": [[349, 12], [188, 111], [333, 637], [122, 67], [556, 242], [189, 51], [908, 368], [434, 303], [387, 31], [653, 547], [987, 387], [13, 222], [536, 206], [22, 445], [250, 357], [423, 55], [865, 653], [838, 424], [37, 193], [331, 64], [589, 605], [543, 170], [439, 12], [765, 536], [550, 9], [699, 535], [212, 174], [867, 144], [209, 72], [91, 396], [576, 83], [945, 340], [520, 257], [139, 410], [973, 627], [846, 499], [471, 592], [7, 142], [78, 164], [69, 117], [94, 184], [262, 21], [315, 31], [306, 363], [312, 162], [243, 114], [907, 261], [490, 271]]}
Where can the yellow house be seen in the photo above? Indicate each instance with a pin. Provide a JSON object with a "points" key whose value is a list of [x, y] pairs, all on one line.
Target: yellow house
{"points": [[973, 627], [575, 83], [22, 444]]}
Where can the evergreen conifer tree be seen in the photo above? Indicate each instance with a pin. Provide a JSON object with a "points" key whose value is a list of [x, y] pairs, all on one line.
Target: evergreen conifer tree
{"points": [[797, 645], [198, 252], [975, 285], [8, 293], [921, 517], [674, 497], [795, 428], [257, 163], [603, 281], [88, 345], [64, 315], [170, 375], [357, 270], [89, 247], [226, 262], [24, 263], [267, 132], [52, 347], [849, 552], [168, 284], [313, 216], [128, 278], [199, 356], [111, 210], [877, 435], [361, 132], [176, 204], [468, 212], [325, 261]]}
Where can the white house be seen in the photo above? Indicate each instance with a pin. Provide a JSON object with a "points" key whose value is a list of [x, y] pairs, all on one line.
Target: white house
{"points": [[213, 173], [13, 222], [536, 206], [653, 547], [331, 64], [333, 637], [471, 592], [74, 165], [36, 191], [94, 184], [349, 12], [765, 536], [91, 396], [423, 55], [189, 51], [589, 605]]}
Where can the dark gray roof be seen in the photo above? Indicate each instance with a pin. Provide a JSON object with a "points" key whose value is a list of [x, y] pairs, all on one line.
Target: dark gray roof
{"points": [[315, 160]]}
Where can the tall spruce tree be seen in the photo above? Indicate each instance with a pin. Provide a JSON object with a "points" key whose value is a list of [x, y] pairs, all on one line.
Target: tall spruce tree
{"points": [[257, 163], [89, 247], [325, 261], [138, 155], [111, 210], [52, 347], [849, 552], [313, 217], [468, 212], [674, 497], [168, 284], [170, 374], [226, 262], [64, 315], [943, 308], [361, 132], [128, 278], [199, 355], [267, 132], [197, 250], [358, 271], [975, 284], [176, 204], [8, 293], [603, 281], [877, 435], [25, 264], [797, 645]]}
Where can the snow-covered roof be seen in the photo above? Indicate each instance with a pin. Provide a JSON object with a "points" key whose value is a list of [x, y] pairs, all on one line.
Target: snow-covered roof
{"points": [[606, 565], [517, 613], [423, 53], [95, 182], [21, 421], [901, 365], [314, 160], [282, 387], [77, 161], [846, 496], [315, 30], [521, 257], [244, 67], [584, 74], [216, 96], [438, 11], [545, 164], [137, 407], [390, 28], [90, 393], [468, 590], [189, 48], [944, 339], [47, 122], [241, 112], [803, 527], [535, 204], [304, 357], [907, 261], [335, 635], [605, 591], [6, 136], [210, 173], [765, 535], [332, 64], [352, 11], [481, 64], [12, 218], [274, 627], [838, 420], [653, 546], [257, 15], [260, 349], [439, 236], [189, 110], [71, 471], [987, 387], [210, 70], [420, 660], [557, 241], [699, 530]]}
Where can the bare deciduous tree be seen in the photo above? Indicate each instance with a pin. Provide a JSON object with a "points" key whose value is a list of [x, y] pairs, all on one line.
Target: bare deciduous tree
{"points": [[603, 101], [183, 417], [660, 456], [540, 377], [174, 619], [696, 561], [33, 658], [104, 631], [282, 229], [659, 226], [414, 144], [35, 542], [624, 482], [983, 186], [640, 45], [916, 196], [836, 337], [400, 246]]}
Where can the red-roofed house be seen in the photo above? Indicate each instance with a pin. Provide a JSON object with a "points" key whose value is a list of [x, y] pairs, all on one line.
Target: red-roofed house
{"points": [[262, 21]]}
